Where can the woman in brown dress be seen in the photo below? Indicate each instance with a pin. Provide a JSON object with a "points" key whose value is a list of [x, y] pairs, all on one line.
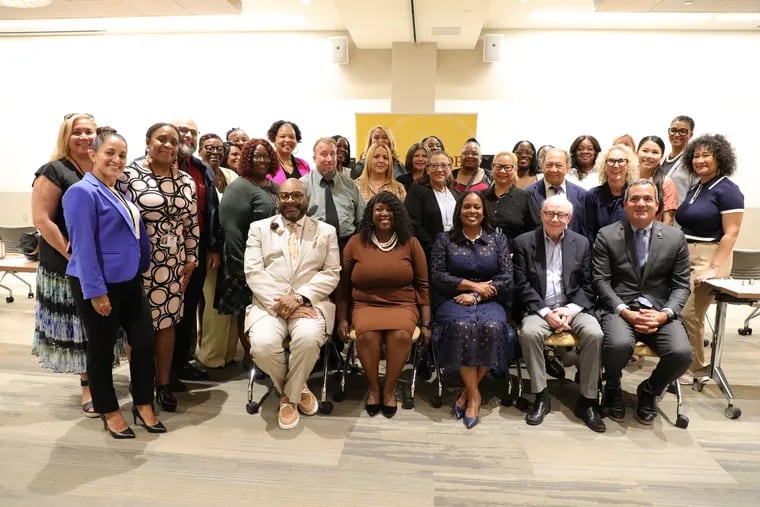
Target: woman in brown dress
{"points": [[385, 274]]}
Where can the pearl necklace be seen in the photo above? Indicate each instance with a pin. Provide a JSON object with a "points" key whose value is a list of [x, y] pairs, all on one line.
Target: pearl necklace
{"points": [[669, 160], [385, 246], [477, 236]]}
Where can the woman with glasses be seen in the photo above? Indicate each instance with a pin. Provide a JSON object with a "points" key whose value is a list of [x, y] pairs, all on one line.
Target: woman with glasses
{"points": [[680, 132], [470, 176], [710, 217], [583, 153], [471, 280], [514, 212], [377, 175], [431, 202], [219, 334], [650, 152], [526, 169], [617, 167], [59, 337], [166, 198], [251, 197]]}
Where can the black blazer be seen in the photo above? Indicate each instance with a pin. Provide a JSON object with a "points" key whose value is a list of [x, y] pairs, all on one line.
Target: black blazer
{"points": [[529, 264], [425, 214], [618, 278], [575, 194]]}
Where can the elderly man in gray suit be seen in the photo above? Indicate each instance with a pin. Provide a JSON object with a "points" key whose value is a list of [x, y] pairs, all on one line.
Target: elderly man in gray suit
{"points": [[552, 272], [641, 278]]}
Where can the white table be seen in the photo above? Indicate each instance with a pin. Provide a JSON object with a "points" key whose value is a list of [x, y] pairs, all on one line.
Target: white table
{"points": [[728, 291]]}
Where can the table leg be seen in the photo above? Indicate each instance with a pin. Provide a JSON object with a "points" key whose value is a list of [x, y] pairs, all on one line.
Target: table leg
{"points": [[716, 372]]}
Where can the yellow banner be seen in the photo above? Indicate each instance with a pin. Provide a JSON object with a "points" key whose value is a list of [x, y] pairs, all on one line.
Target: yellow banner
{"points": [[407, 129]]}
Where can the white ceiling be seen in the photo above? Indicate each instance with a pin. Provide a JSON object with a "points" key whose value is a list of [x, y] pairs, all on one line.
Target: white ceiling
{"points": [[451, 24]]}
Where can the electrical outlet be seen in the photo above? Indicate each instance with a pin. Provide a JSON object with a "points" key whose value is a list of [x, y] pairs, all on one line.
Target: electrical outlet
{"points": [[24, 218]]}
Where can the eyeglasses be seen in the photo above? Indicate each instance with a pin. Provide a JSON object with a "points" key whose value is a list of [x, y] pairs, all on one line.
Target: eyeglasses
{"points": [[213, 149], [470, 154], [262, 158], [439, 165], [561, 215], [296, 196], [612, 162], [88, 115], [502, 167], [185, 130], [681, 132]]}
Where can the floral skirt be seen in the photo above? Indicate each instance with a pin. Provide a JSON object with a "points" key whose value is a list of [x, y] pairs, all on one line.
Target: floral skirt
{"points": [[476, 335], [59, 336]]}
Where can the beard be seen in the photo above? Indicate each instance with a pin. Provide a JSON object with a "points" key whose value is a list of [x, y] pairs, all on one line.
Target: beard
{"points": [[186, 150]]}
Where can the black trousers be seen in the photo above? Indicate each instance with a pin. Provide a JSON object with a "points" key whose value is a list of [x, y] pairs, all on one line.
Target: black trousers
{"points": [[186, 330], [130, 311]]}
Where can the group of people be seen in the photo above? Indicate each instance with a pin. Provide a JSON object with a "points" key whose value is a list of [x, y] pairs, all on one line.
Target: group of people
{"points": [[264, 249]]}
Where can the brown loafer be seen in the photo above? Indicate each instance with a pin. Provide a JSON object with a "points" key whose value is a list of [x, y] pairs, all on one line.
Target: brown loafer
{"points": [[287, 417], [308, 405]]}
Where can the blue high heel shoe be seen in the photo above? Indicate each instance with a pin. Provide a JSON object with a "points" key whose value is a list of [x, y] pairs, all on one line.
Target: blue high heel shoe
{"points": [[471, 422], [458, 411]]}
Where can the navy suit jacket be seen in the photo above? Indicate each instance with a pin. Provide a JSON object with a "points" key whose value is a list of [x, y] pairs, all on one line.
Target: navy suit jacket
{"points": [[529, 264], [575, 194], [104, 248]]}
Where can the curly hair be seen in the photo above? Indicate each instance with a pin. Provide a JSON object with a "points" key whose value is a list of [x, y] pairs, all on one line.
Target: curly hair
{"points": [[402, 224], [533, 167], [456, 234], [721, 150], [577, 142], [631, 169], [246, 158], [272, 132]]}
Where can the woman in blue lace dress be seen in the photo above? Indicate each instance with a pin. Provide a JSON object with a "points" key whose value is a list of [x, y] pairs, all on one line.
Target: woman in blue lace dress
{"points": [[471, 275]]}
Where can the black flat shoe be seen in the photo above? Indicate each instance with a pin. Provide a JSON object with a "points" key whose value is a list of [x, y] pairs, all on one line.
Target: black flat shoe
{"points": [[118, 435], [156, 428], [389, 410], [372, 409], [165, 398]]}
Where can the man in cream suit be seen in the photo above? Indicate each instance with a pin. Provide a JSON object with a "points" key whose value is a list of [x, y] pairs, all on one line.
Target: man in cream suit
{"points": [[641, 278], [291, 265]]}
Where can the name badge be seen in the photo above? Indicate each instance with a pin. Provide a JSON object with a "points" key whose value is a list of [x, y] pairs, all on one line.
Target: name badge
{"points": [[168, 241]]}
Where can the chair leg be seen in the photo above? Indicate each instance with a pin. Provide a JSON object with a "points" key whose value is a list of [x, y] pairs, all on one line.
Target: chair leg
{"points": [[341, 394], [508, 400], [438, 397], [252, 407], [522, 403], [408, 402], [682, 421], [325, 406]]}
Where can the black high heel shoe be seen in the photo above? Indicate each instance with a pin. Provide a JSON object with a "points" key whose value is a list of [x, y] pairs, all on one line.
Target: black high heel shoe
{"points": [[118, 435], [389, 410], [156, 428], [165, 398]]}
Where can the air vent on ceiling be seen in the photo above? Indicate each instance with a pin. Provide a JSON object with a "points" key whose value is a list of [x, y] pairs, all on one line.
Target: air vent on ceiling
{"points": [[446, 30]]}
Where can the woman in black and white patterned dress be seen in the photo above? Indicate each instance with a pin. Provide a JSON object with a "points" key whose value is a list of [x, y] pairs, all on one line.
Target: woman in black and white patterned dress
{"points": [[166, 199]]}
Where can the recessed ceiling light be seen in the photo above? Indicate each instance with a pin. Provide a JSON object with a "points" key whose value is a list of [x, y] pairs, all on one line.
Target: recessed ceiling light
{"points": [[688, 2], [25, 4]]}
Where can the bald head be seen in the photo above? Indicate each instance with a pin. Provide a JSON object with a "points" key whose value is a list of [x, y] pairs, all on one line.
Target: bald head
{"points": [[293, 199], [189, 131]]}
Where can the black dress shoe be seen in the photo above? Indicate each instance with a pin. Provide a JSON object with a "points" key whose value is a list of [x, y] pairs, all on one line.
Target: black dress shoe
{"points": [[588, 412], [165, 398], [193, 373], [175, 384], [541, 407], [613, 405], [555, 368], [646, 406]]}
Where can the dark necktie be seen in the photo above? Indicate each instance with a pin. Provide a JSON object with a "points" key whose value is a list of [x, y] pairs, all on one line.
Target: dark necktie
{"points": [[642, 247], [557, 190], [331, 212]]}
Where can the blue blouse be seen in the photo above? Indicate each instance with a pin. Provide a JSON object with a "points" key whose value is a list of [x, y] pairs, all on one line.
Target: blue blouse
{"points": [[700, 215], [602, 208]]}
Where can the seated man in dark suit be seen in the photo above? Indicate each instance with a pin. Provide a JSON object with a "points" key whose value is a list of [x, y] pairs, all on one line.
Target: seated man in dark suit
{"points": [[552, 271], [556, 163], [641, 278]]}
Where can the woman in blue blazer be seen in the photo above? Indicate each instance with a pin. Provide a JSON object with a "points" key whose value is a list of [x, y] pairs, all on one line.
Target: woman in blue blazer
{"points": [[109, 250]]}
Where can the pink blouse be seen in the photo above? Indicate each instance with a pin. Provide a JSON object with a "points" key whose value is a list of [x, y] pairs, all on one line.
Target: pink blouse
{"points": [[280, 175]]}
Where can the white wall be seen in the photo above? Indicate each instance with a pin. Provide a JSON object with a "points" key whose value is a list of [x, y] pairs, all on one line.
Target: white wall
{"points": [[552, 86]]}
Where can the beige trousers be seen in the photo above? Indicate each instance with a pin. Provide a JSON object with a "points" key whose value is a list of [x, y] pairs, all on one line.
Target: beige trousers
{"points": [[695, 310], [219, 337], [307, 336]]}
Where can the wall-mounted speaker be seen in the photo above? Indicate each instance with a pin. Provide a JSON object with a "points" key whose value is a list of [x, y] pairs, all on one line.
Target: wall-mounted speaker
{"points": [[338, 49], [492, 47]]}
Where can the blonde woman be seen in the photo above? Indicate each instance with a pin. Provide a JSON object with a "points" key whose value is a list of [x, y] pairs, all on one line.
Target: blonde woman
{"points": [[379, 135], [616, 167], [377, 175]]}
